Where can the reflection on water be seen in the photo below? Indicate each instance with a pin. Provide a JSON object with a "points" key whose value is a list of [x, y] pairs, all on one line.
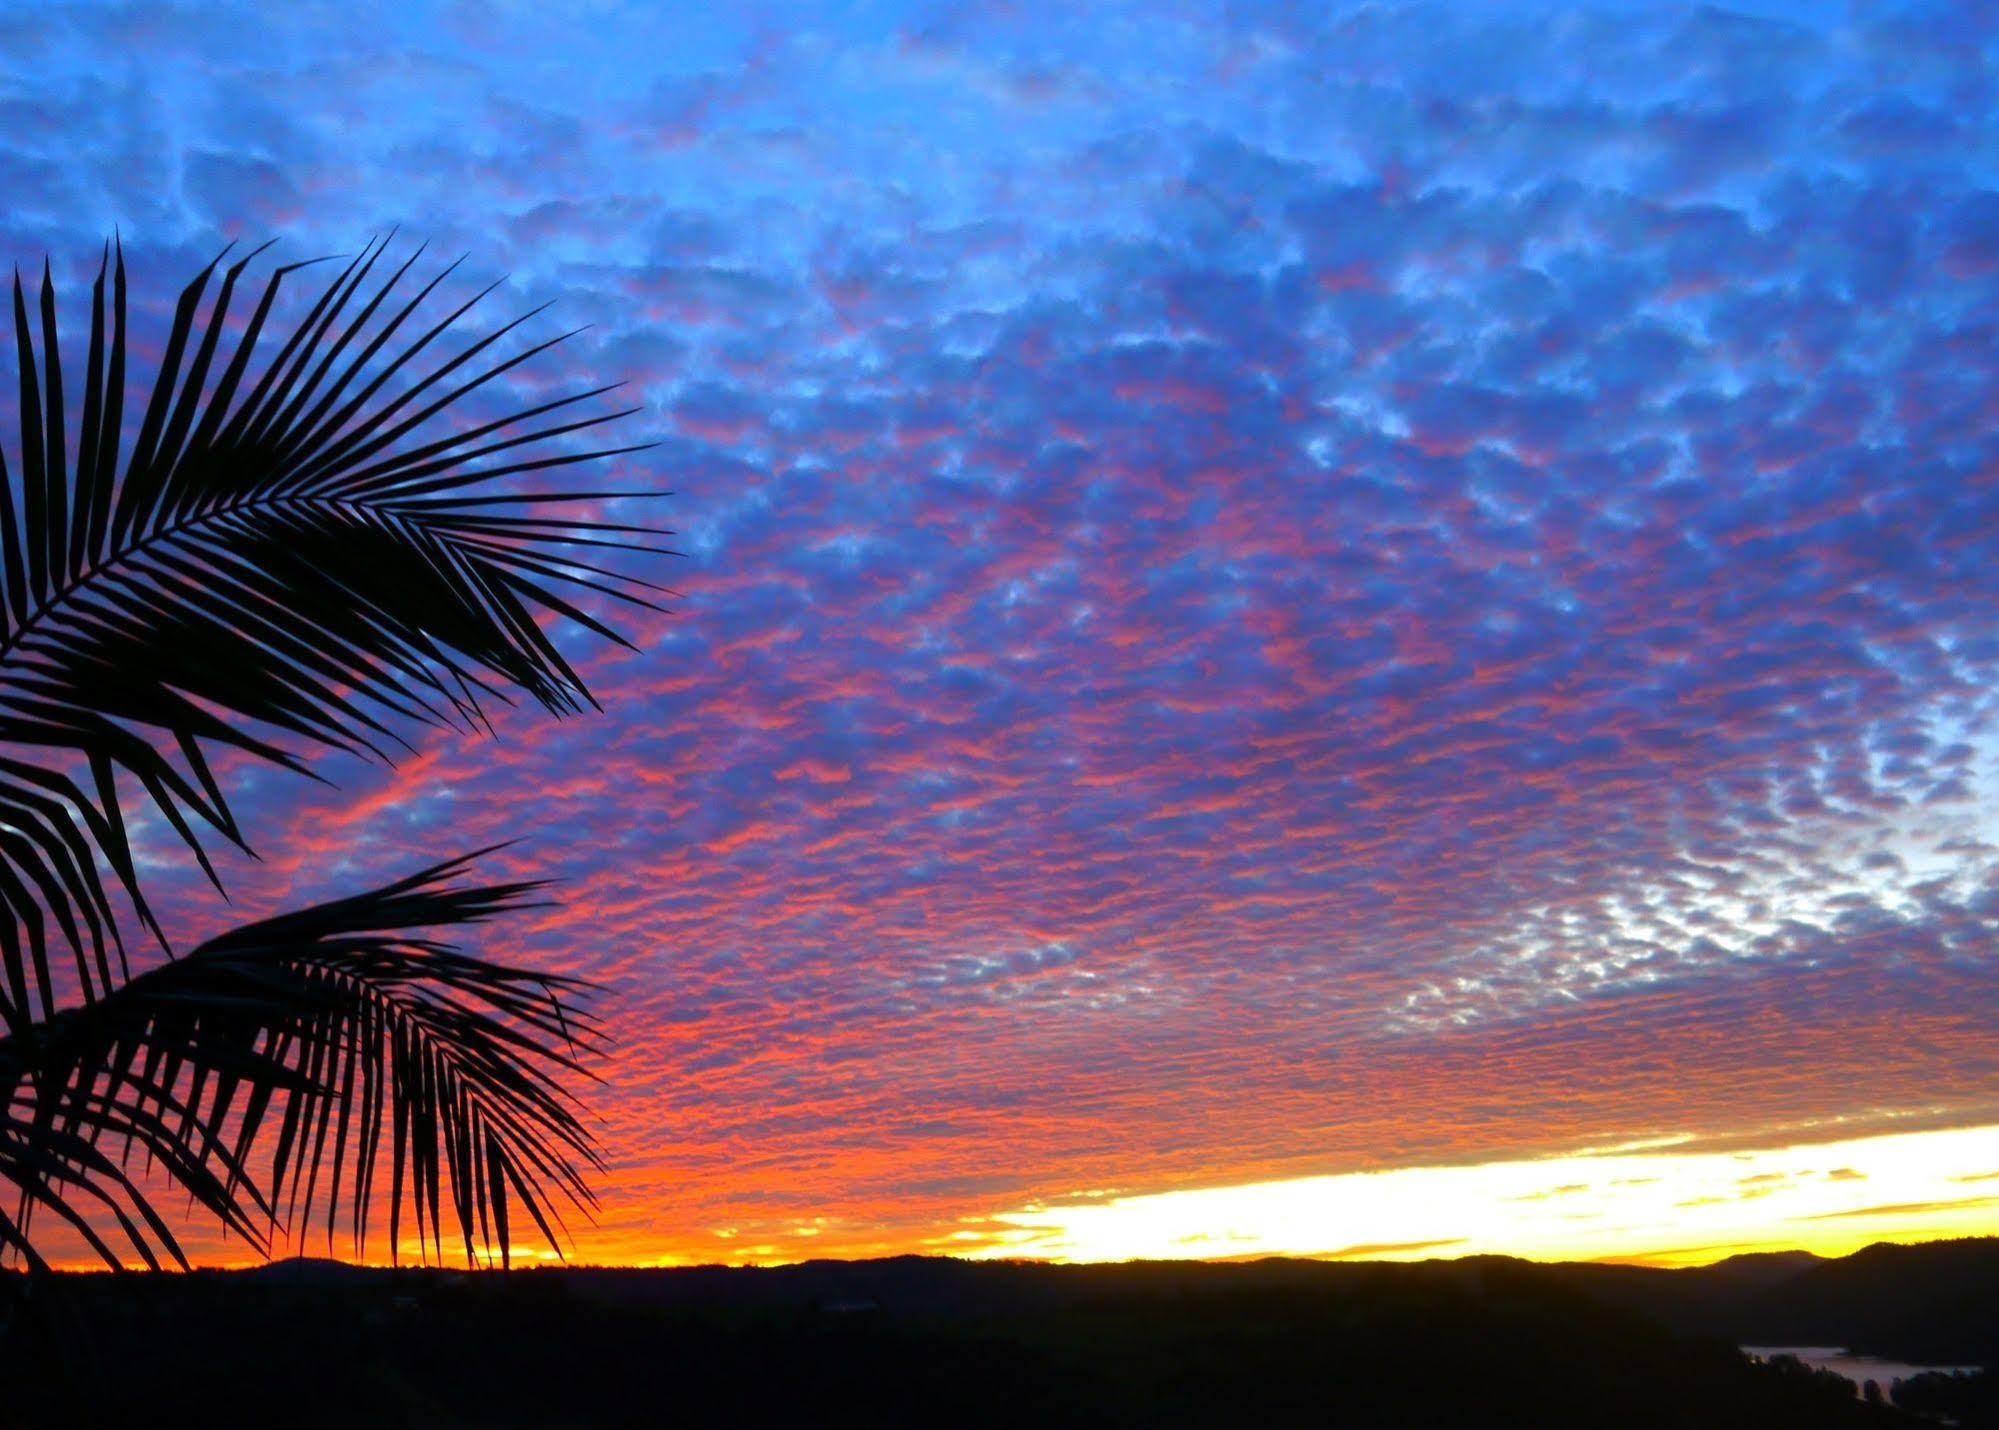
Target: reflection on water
{"points": [[1857, 1368]]}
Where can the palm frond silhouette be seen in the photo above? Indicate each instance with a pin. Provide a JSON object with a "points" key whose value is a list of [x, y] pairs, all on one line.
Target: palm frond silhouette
{"points": [[318, 549]]}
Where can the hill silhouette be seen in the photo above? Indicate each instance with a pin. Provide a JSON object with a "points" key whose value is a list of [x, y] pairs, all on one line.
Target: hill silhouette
{"points": [[1937, 1302], [1483, 1341]]}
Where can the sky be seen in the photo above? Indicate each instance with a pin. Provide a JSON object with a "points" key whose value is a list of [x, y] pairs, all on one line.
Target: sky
{"points": [[1273, 595]]}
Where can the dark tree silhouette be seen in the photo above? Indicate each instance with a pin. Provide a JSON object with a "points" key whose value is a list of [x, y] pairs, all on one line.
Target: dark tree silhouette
{"points": [[315, 550]]}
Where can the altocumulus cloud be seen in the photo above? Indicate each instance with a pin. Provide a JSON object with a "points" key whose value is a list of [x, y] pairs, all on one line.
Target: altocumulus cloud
{"points": [[1269, 589]]}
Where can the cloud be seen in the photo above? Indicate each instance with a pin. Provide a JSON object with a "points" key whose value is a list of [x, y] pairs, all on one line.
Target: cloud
{"points": [[1263, 595], [1367, 1250], [1906, 1209]]}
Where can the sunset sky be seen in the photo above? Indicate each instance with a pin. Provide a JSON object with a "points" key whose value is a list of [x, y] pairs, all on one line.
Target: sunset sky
{"points": [[1271, 593]]}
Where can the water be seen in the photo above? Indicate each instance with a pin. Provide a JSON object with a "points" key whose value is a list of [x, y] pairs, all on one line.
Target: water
{"points": [[1857, 1368]]}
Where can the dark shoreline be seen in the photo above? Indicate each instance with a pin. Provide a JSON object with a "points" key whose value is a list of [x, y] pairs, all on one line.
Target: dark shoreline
{"points": [[1479, 1341]]}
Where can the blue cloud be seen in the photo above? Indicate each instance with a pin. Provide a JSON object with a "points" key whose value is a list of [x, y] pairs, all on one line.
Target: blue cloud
{"points": [[1420, 549]]}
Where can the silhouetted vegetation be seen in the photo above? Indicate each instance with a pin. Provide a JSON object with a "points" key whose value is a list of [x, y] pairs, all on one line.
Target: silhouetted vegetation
{"points": [[317, 544], [1485, 1342], [1970, 1401], [1934, 1303]]}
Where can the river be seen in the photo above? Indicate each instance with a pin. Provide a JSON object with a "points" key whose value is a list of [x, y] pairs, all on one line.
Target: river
{"points": [[1857, 1368]]}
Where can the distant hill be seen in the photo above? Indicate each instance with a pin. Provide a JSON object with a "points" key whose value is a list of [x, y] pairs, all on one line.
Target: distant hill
{"points": [[1764, 1266], [306, 1271], [1937, 1302], [1931, 1303], [1484, 1341]]}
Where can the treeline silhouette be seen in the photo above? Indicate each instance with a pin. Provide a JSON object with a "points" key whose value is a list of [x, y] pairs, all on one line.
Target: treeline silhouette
{"points": [[1970, 1402], [907, 1341], [1935, 1303]]}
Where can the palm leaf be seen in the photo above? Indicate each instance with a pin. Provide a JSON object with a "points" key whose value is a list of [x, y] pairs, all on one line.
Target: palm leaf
{"points": [[289, 1053], [313, 550], [306, 544], [51, 1152]]}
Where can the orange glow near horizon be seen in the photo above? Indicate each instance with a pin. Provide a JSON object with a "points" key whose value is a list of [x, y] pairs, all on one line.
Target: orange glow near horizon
{"points": [[1653, 1206], [1646, 1205]]}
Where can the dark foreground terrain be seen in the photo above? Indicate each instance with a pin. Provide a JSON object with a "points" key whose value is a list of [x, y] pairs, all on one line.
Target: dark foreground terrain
{"points": [[1480, 1342]]}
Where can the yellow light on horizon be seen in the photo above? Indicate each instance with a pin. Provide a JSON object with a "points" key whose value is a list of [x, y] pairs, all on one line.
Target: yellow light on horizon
{"points": [[1656, 1206]]}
